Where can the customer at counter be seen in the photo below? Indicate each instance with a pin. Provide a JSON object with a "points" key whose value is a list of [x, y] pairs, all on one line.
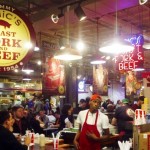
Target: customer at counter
{"points": [[66, 117], [7, 140], [21, 124], [139, 103], [43, 119], [93, 126], [123, 119], [35, 124]]}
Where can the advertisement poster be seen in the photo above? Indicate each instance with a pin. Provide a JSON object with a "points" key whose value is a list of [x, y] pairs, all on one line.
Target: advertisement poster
{"points": [[54, 78], [100, 80], [132, 84]]}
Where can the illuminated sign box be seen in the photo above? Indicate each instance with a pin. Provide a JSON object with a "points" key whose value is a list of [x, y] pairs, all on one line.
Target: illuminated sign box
{"points": [[17, 38], [81, 86], [131, 60]]}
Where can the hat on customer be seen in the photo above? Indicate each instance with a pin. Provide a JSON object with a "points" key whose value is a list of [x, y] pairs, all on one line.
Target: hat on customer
{"points": [[125, 101], [95, 97]]}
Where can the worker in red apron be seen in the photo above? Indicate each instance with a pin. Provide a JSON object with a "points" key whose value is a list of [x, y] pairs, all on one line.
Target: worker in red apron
{"points": [[91, 124]]}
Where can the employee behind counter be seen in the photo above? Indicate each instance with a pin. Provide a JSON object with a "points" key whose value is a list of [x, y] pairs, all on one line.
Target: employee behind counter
{"points": [[93, 126]]}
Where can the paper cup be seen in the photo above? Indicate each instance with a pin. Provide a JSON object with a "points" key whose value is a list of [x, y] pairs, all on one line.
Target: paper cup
{"points": [[27, 132], [55, 143]]}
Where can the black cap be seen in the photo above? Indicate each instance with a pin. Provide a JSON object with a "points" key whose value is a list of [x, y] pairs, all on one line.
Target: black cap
{"points": [[82, 101], [141, 98]]}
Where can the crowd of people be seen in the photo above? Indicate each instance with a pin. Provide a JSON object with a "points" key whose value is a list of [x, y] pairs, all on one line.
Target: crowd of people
{"points": [[34, 116], [93, 122]]}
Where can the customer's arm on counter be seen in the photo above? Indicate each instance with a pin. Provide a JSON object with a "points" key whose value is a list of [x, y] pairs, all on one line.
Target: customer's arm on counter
{"points": [[114, 121]]}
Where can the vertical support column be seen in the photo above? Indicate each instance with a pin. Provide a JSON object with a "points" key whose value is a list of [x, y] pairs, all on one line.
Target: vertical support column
{"points": [[71, 85]]}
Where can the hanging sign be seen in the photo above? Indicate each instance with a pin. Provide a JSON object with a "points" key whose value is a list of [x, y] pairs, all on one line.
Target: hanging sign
{"points": [[100, 80], [136, 39], [146, 75], [131, 60], [17, 38], [54, 78]]}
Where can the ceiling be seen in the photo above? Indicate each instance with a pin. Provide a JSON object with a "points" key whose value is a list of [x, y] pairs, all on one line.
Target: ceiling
{"points": [[101, 25]]}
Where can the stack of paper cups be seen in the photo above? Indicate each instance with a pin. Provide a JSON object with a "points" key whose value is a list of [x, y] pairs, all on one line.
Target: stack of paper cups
{"points": [[140, 117]]}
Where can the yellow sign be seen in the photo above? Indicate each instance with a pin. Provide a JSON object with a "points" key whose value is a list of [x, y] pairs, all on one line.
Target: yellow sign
{"points": [[17, 38]]}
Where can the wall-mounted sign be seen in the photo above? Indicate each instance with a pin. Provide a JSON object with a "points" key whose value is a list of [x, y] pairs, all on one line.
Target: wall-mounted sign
{"points": [[17, 38], [131, 60], [49, 46], [81, 86]]}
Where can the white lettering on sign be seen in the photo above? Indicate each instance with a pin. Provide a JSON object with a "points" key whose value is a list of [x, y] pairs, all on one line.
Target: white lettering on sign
{"points": [[128, 65]]}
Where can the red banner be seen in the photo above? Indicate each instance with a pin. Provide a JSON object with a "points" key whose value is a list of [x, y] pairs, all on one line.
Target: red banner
{"points": [[54, 78]]}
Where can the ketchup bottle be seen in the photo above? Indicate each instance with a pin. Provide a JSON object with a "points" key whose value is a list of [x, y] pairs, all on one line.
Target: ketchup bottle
{"points": [[32, 138]]}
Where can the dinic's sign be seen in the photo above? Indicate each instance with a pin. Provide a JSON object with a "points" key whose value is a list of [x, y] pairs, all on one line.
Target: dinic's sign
{"points": [[16, 32]]}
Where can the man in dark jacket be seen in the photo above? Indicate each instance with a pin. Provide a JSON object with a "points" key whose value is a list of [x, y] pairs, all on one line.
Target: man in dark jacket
{"points": [[123, 119], [21, 124], [7, 140]]}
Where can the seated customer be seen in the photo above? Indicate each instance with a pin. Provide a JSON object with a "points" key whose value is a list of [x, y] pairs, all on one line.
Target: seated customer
{"points": [[139, 103], [66, 117], [43, 119], [7, 140], [51, 117], [57, 122], [35, 124], [21, 124]]}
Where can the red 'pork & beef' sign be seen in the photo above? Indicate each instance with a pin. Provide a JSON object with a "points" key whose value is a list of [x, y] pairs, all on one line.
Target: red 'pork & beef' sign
{"points": [[130, 60]]}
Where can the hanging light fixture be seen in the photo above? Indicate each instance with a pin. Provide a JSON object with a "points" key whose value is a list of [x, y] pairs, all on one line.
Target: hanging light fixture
{"points": [[142, 2], [97, 61], [67, 53], [116, 45], [26, 78], [80, 13], [27, 69]]}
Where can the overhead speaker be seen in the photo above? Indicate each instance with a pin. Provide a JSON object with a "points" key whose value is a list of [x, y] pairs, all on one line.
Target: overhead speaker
{"points": [[141, 2], [54, 18]]}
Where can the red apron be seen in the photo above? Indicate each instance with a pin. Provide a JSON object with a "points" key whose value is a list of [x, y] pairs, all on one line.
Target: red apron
{"points": [[84, 142]]}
